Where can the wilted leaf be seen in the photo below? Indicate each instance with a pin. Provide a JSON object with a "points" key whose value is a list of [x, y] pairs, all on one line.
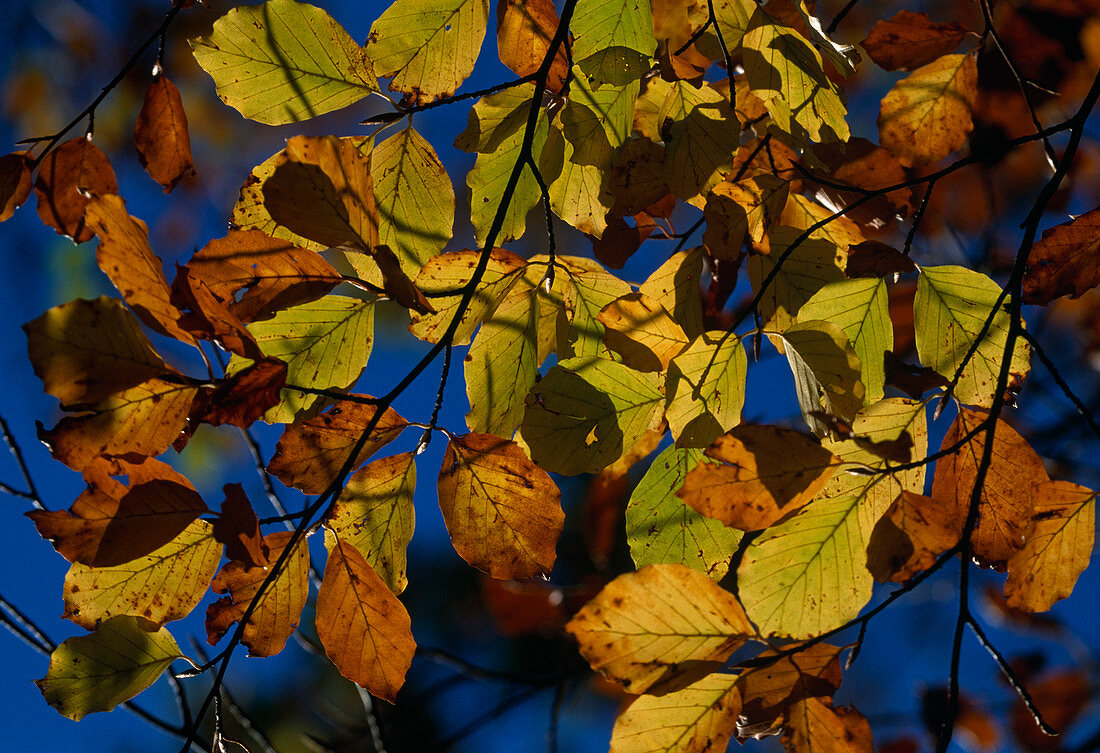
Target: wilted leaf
{"points": [[1057, 546], [501, 365], [161, 135], [660, 628], [705, 389], [927, 115], [816, 726], [613, 40], [284, 62], [162, 586], [238, 528], [208, 316], [586, 412], [429, 48], [135, 270], [276, 613], [695, 719], [662, 529], [375, 514], [311, 453], [909, 40], [765, 474], [15, 183], [910, 536], [365, 630], [1005, 500], [66, 177], [770, 692], [502, 511], [1064, 261], [97, 672], [639, 330], [524, 31]]}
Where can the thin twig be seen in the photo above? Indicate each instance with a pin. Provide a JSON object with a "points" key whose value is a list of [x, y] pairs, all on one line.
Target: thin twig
{"points": [[1012, 677], [13, 446], [1082, 409]]}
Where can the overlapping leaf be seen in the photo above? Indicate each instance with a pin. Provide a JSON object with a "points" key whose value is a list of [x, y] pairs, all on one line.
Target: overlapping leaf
{"points": [[613, 40], [66, 178], [675, 285], [705, 389], [641, 332], [15, 183], [700, 139], [502, 364], [909, 40], [808, 267], [927, 115], [826, 372], [524, 31], [1064, 260], [695, 719]]}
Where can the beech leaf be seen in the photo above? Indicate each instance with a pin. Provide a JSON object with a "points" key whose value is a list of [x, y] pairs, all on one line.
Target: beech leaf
{"points": [[1064, 260], [66, 178], [705, 389], [614, 41], [909, 40], [161, 135], [15, 183], [698, 718], [524, 31]]}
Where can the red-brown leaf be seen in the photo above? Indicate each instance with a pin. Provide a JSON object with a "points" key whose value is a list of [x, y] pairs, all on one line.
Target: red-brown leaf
{"points": [[910, 40], [161, 135], [15, 183], [243, 398], [1065, 261], [65, 178], [238, 528], [209, 316], [524, 31]]}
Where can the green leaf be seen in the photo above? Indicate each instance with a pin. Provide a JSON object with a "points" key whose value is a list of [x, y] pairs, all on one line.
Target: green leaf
{"points": [[661, 528], [580, 333], [284, 62], [502, 364], [701, 139], [675, 285], [495, 117], [826, 372], [733, 21], [374, 513], [614, 40], [325, 345], [949, 311], [597, 121], [587, 412], [860, 307], [706, 389], [429, 47], [785, 71], [97, 672], [579, 194], [812, 264]]}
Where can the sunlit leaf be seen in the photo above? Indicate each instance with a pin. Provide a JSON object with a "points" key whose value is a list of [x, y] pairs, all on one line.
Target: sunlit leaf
{"points": [[927, 115], [811, 265], [162, 586], [97, 672], [641, 332], [770, 692], [284, 62], [580, 332], [208, 316], [1064, 261], [501, 365], [910, 536], [15, 183], [804, 213], [494, 118], [242, 398], [614, 40], [238, 528], [733, 21], [695, 719], [276, 612], [675, 285], [597, 121], [578, 192], [815, 726], [250, 213], [67, 176], [365, 630], [660, 528], [700, 135], [741, 210], [826, 372], [161, 135], [374, 513], [586, 412], [524, 31], [705, 389], [660, 628]]}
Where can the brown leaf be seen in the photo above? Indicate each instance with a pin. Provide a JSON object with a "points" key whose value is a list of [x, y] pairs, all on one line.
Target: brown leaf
{"points": [[620, 241], [766, 473], [273, 274], [971, 720], [276, 615], [637, 176], [111, 523], [15, 182], [241, 399], [209, 317], [310, 454], [1065, 261], [744, 210], [914, 381], [65, 178], [816, 726], [769, 692], [161, 135], [524, 31], [877, 259], [396, 283], [909, 40], [238, 528], [126, 258], [867, 166], [910, 536], [1005, 501], [502, 511], [322, 190], [365, 630]]}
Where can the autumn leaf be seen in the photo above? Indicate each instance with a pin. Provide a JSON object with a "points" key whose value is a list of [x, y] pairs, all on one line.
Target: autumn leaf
{"points": [[580, 332], [826, 372], [741, 210], [695, 719], [66, 177], [15, 183], [815, 726], [770, 692], [660, 628], [238, 529], [705, 389], [613, 41], [243, 398], [97, 672], [524, 31], [1063, 261], [365, 630], [910, 40], [641, 332], [699, 140], [675, 285], [502, 511], [161, 135], [808, 267], [276, 612], [909, 538], [208, 316]]}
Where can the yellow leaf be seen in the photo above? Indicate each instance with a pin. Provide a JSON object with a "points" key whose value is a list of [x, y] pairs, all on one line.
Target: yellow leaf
{"points": [[927, 115], [705, 389], [642, 332], [699, 718], [810, 266]]}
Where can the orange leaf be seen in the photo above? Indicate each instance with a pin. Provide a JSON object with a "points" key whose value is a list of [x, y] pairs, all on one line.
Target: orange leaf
{"points": [[396, 283], [65, 178], [111, 524], [745, 209], [238, 528], [909, 40], [503, 512], [640, 330], [15, 183], [523, 607], [276, 615], [310, 454], [209, 316], [364, 628], [1005, 501], [273, 273], [1065, 261], [125, 257], [911, 535], [524, 31], [815, 726], [161, 135], [766, 473], [769, 692], [241, 399], [860, 163]]}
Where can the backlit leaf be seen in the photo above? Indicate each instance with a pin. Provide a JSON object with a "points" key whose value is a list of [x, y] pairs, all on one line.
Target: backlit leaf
{"points": [[502, 364], [908, 40], [97, 672], [660, 628], [503, 512], [276, 613], [705, 389], [742, 210], [675, 285], [764, 474], [240, 399], [1064, 261], [578, 192], [927, 115], [662, 529], [814, 263], [365, 630], [770, 692], [639, 330], [162, 586], [250, 213], [65, 179], [284, 62], [950, 310], [701, 138], [1057, 546], [695, 719], [580, 332], [161, 135], [614, 40], [494, 118], [15, 183], [910, 536], [428, 48], [524, 31], [238, 528], [826, 372], [587, 412], [311, 453], [597, 121], [374, 513], [815, 726]]}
